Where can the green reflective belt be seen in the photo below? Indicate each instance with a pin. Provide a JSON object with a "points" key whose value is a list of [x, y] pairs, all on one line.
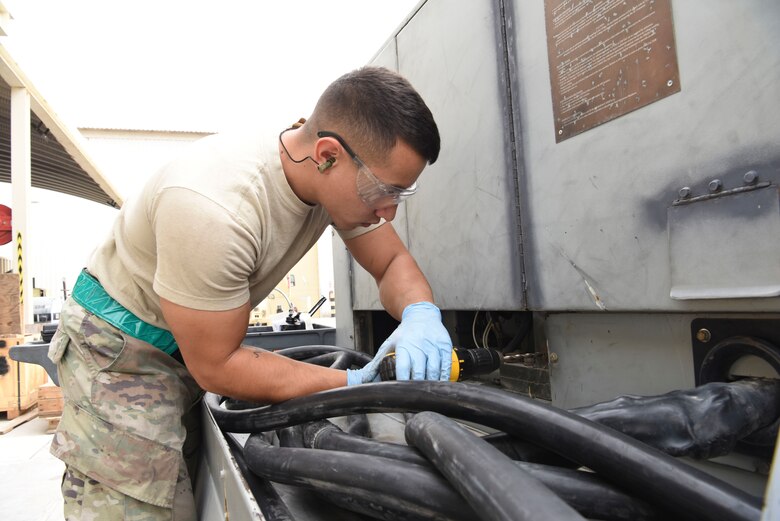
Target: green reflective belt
{"points": [[91, 296]]}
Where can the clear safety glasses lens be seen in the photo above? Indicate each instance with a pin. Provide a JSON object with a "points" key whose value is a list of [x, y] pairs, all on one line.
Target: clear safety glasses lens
{"points": [[377, 194]]}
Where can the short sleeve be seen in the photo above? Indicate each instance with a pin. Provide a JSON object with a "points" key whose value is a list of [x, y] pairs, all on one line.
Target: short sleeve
{"points": [[205, 255], [357, 232]]}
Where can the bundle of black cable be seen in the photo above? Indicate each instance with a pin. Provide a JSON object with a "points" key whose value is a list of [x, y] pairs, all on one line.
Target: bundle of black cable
{"points": [[544, 463]]}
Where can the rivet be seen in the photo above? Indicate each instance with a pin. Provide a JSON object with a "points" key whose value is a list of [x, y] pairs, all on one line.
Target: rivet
{"points": [[703, 335], [715, 185]]}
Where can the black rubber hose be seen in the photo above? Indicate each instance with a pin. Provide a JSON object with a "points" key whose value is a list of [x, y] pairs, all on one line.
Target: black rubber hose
{"points": [[520, 450], [703, 422], [325, 435], [359, 425], [333, 360], [390, 486], [593, 497], [291, 436], [583, 491], [493, 485], [271, 505], [304, 352], [643, 470]]}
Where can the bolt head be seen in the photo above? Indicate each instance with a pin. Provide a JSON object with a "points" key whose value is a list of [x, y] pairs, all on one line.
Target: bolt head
{"points": [[685, 192], [750, 177], [553, 358], [715, 185], [703, 335]]}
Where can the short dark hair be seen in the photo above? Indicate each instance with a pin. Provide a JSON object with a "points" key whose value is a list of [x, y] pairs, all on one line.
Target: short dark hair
{"points": [[372, 108]]}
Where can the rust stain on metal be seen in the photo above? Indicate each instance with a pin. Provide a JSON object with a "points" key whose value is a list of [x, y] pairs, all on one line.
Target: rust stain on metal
{"points": [[608, 58]]}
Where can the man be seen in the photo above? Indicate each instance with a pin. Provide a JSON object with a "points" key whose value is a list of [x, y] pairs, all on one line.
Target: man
{"points": [[164, 304]]}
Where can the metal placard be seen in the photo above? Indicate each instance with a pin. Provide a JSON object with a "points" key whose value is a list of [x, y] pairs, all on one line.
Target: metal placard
{"points": [[607, 58]]}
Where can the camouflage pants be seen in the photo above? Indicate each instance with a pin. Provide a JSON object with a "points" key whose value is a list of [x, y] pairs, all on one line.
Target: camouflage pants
{"points": [[130, 424], [86, 498]]}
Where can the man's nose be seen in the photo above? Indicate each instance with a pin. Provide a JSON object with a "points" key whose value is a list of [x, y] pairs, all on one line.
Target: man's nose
{"points": [[387, 213]]}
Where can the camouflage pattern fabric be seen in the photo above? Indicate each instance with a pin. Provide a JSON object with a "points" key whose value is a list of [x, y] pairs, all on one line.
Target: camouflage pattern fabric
{"points": [[130, 424], [87, 499]]}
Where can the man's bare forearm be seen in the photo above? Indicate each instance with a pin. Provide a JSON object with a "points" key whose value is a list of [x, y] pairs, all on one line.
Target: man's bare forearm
{"points": [[402, 284], [261, 376]]}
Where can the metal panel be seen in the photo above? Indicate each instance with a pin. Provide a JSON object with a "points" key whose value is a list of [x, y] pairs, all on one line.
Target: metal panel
{"points": [[462, 223], [220, 490], [342, 286], [364, 289], [596, 204], [603, 356], [726, 246]]}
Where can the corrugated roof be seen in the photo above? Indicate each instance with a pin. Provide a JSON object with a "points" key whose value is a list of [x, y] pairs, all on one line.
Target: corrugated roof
{"points": [[59, 162]]}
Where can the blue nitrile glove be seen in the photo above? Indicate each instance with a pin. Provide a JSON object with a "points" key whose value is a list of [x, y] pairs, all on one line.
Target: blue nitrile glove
{"points": [[423, 348], [370, 372]]}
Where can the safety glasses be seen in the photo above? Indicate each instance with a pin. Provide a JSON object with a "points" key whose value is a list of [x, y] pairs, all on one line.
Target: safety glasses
{"points": [[373, 192]]}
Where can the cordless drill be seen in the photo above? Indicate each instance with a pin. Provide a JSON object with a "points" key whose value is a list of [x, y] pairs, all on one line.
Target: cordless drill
{"points": [[465, 363]]}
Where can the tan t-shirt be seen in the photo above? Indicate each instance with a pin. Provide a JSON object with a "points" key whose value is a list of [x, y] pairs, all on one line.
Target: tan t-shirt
{"points": [[211, 230]]}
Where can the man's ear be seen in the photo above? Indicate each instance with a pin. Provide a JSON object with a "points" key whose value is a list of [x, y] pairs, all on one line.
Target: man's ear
{"points": [[326, 151]]}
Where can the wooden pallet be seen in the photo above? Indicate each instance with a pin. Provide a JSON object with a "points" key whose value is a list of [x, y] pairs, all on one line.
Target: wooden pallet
{"points": [[17, 420]]}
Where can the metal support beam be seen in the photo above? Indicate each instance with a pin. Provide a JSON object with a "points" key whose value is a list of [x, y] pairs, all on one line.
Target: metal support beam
{"points": [[21, 175]]}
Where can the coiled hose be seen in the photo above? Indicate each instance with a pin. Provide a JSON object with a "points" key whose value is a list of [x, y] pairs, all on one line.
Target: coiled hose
{"points": [[672, 487]]}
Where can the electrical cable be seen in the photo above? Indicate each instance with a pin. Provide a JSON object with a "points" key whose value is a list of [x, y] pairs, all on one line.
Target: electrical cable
{"points": [[646, 472], [358, 425], [491, 326], [323, 434], [271, 504], [583, 491], [703, 422], [334, 360], [306, 352], [474, 329], [386, 485], [520, 450], [488, 480]]}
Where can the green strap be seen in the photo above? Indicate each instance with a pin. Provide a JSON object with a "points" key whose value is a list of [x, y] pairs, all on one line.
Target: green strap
{"points": [[91, 296]]}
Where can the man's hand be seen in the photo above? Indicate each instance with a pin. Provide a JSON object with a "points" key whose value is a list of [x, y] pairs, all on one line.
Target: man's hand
{"points": [[423, 348], [370, 372]]}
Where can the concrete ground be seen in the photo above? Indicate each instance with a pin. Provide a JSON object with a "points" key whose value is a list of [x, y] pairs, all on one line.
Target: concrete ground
{"points": [[29, 476]]}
